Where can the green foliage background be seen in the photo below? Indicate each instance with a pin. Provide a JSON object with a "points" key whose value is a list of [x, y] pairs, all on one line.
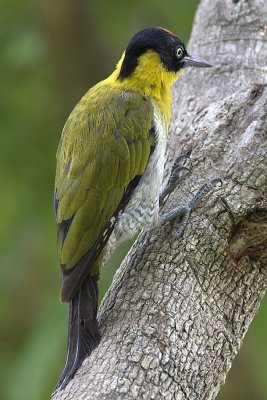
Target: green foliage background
{"points": [[50, 53]]}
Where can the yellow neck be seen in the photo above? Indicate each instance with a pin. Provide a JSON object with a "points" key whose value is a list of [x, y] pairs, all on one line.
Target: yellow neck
{"points": [[150, 78]]}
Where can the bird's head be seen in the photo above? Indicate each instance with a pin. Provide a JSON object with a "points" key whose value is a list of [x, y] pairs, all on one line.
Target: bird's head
{"points": [[157, 46]]}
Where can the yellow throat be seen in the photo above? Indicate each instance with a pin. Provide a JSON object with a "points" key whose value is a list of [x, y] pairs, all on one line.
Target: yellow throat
{"points": [[150, 78]]}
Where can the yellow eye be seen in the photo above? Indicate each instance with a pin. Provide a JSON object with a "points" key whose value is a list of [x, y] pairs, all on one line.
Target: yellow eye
{"points": [[179, 52]]}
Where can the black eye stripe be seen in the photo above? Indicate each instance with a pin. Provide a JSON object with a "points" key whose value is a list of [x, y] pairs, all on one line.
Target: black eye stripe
{"points": [[157, 40]]}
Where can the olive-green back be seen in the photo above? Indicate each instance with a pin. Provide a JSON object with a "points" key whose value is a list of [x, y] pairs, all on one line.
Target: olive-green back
{"points": [[105, 144]]}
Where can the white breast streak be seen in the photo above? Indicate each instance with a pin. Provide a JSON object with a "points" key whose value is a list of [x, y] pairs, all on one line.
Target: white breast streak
{"points": [[142, 211]]}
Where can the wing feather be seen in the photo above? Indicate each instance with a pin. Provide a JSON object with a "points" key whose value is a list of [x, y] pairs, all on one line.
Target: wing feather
{"points": [[104, 149]]}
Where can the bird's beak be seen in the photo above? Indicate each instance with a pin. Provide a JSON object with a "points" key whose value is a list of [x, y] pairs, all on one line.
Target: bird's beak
{"points": [[195, 61]]}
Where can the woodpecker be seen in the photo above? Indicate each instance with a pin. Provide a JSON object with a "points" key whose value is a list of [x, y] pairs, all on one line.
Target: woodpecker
{"points": [[109, 177]]}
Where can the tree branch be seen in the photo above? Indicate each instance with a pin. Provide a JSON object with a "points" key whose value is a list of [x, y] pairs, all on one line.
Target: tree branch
{"points": [[176, 314]]}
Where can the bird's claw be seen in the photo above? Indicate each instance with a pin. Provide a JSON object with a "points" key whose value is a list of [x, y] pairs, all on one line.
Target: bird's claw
{"points": [[174, 177], [184, 210]]}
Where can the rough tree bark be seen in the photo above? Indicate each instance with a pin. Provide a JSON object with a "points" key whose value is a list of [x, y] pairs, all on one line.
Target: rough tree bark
{"points": [[176, 313]]}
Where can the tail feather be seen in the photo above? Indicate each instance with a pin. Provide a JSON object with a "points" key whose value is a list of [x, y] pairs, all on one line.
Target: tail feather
{"points": [[83, 334]]}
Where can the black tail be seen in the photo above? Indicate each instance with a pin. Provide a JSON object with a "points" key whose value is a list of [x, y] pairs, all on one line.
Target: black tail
{"points": [[83, 335]]}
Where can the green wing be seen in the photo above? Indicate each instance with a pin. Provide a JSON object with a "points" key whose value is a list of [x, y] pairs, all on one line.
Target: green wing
{"points": [[105, 147]]}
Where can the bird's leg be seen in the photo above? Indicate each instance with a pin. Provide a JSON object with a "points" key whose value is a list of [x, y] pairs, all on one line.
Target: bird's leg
{"points": [[174, 178], [184, 210]]}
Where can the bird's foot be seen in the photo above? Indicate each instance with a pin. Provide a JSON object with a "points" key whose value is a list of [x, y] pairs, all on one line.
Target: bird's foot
{"points": [[184, 210], [177, 168]]}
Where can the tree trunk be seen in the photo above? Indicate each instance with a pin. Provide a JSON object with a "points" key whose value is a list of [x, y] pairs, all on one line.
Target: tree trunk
{"points": [[176, 313]]}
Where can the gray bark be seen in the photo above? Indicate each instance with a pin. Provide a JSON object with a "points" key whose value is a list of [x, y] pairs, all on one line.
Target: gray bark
{"points": [[176, 313]]}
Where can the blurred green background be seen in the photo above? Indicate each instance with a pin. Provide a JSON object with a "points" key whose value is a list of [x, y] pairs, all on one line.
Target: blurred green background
{"points": [[51, 52]]}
